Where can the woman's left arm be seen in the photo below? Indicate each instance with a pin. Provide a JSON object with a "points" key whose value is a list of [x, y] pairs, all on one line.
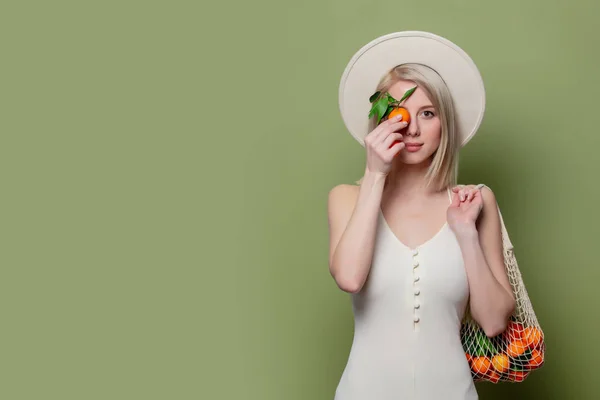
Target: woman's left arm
{"points": [[476, 223]]}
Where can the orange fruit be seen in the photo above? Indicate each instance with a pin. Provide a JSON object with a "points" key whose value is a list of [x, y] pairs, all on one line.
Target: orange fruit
{"points": [[493, 376], [405, 117], [400, 111], [532, 337], [516, 348], [517, 376], [536, 360], [481, 365], [501, 362], [514, 330]]}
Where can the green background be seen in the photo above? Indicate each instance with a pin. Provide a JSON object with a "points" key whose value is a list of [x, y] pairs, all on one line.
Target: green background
{"points": [[165, 169]]}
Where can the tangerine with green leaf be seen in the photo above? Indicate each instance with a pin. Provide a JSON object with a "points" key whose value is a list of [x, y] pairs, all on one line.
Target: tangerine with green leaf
{"points": [[400, 111]]}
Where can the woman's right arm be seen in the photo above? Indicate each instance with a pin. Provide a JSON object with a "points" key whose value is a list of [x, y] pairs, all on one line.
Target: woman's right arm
{"points": [[353, 211]]}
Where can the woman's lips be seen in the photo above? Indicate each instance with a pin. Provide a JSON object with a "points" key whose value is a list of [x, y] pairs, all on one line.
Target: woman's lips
{"points": [[412, 147]]}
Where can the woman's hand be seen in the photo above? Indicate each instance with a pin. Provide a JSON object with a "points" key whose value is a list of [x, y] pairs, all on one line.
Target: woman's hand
{"points": [[467, 203], [382, 144]]}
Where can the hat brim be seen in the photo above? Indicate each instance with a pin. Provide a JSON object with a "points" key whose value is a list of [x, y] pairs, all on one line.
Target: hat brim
{"points": [[368, 65]]}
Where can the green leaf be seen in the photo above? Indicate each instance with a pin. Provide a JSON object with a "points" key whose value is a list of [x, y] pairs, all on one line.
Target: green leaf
{"points": [[390, 99], [388, 111], [407, 94], [374, 97], [381, 107], [372, 112]]}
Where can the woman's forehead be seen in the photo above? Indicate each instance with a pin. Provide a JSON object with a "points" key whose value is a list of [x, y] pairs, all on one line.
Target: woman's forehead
{"points": [[419, 96]]}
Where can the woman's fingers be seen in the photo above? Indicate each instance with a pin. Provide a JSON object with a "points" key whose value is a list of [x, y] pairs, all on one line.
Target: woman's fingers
{"points": [[465, 192], [386, 128], [391, 138], [395, 149]]}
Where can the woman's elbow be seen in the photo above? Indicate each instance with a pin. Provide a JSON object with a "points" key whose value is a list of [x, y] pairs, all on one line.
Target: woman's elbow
{"points": [[349, 285], [346, 283], [498, 325], [495, 328]]}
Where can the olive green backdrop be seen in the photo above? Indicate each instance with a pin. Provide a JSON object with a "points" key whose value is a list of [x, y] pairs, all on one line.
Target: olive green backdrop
{"points": [[165, 169]]}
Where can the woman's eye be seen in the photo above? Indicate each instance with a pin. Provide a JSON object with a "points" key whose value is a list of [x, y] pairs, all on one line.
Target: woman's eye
{"points": [[428, 114]]}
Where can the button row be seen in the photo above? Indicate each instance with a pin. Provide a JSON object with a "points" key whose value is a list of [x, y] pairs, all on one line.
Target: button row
{"points": [[416, 279]]}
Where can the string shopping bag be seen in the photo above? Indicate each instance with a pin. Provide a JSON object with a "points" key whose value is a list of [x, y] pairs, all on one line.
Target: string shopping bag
{"points": [[520, 349]]}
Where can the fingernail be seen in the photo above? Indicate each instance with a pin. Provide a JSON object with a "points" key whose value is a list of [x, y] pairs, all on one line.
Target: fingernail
{"points": [[398, 117]]}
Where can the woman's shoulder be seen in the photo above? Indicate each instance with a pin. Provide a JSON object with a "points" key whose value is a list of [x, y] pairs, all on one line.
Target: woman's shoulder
{"points": [[343, 194], [344, 190]]}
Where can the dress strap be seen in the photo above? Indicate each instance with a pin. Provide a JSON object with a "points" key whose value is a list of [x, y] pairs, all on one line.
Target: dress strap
{"points": [[449, 195]]}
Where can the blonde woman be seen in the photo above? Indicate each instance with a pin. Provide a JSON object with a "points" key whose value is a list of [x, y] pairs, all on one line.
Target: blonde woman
{"points": [[413, 249]]}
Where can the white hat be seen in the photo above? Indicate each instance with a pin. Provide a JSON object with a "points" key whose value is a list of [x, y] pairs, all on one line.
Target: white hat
{"points": [[377, 58]]}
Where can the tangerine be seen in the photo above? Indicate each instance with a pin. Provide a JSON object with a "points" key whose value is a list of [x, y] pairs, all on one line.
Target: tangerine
{"points": [[536, 360], [517, 376], [481, 365], [515, 330], [405, 117], [532, 336], [493, 376], [516, 348], [501, 362], [400, 111]]}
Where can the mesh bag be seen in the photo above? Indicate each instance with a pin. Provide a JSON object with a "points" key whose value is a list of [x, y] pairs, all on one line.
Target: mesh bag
{"points": [[520, 349]]}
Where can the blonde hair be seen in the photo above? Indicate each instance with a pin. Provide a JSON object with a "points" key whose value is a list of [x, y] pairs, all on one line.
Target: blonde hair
{"points": [[443, 170]]}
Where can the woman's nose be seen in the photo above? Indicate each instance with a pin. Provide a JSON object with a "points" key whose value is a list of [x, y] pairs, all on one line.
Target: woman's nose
{"points": [[412, 129]]}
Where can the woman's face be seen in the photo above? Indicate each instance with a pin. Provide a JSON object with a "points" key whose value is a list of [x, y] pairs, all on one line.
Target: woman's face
{"points": [[423, 134]]}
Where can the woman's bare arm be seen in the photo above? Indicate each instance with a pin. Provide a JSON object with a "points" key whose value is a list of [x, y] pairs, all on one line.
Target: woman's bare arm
{"points": [[352, 214], [492, 300]]}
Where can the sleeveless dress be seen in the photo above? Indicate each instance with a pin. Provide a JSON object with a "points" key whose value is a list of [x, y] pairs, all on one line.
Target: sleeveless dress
{"points": [[407, 321]]}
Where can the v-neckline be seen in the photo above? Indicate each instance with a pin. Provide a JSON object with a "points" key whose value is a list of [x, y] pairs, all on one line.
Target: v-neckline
{"points": [[389, 228]]}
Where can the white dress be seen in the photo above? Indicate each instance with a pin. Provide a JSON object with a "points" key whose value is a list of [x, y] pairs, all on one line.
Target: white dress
{"points": [[407, 321]]}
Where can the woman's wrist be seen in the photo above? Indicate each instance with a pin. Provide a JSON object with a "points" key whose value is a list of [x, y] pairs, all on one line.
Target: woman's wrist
{"points": [[374, 178], [466, 232]]}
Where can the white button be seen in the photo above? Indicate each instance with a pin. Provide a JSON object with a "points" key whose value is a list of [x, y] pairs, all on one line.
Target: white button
{"points": [[415, 252], [417, 279], [417, 305], [416, 319], [416, 264], [417, 292]]}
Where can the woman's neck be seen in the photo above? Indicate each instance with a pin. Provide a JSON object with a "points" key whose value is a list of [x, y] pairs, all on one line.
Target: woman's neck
{"points": [[408, 181]]}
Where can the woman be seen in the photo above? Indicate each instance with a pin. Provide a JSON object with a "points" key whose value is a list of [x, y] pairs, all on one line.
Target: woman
{"points": [[414, 250]]}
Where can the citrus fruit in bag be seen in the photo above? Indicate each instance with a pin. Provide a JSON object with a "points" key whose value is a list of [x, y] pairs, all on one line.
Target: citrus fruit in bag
{"points": [[536, 360], [481, 365], [516, 347], [493, 376], [514, 330], [501, 362], [532, 337], [517, 376]]}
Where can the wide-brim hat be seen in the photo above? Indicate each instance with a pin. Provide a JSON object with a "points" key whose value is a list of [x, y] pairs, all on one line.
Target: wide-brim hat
{"points": [[375, 59]]}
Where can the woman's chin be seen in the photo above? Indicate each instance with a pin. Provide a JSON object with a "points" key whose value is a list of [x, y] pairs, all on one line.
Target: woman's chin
{"points": [[412, 158]]}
